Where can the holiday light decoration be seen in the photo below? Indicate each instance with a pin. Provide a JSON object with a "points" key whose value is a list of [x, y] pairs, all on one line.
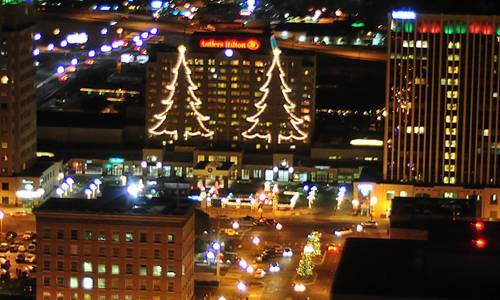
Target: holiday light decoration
{"points": [[169, 101], [261, 106]]}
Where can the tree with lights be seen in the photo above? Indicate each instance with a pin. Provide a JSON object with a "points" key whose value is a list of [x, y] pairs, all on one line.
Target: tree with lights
{"points": [[305, 267], [267, 110], [314, 242], [181, 89]]}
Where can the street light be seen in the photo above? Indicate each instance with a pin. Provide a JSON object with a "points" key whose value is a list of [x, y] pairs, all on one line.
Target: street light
{"points": [[279, 226], [256, 240], [299, 287], [236, 225], [1, 225], [221, 298], [242, 287], [243, 264]]}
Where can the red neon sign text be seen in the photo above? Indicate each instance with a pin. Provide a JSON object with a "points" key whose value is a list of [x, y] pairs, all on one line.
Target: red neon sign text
{"points": [[250, 44]]}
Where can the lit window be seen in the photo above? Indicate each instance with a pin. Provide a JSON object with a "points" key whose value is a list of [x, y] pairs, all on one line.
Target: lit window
{"points": [[156, 270], [87, 283], [101, 268], [170, 271], [4, 80], [73, 282], [115, 269], [403, 194], [170, 239], [88, 235], [486, 132], [493, 199], [87, 266], [129, 237], [5, 145], [143, 271], [101, 283], [101, 236]]}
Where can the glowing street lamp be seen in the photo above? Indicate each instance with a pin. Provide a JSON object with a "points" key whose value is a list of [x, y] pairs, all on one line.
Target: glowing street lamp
{"points": [[243, 264], [242, 287], [279, 226], [221, 298], [236, 225], [59, 192], [256, 240], [250, 269], [88, 193], [1, 224], [299, 287], [216, 246]]}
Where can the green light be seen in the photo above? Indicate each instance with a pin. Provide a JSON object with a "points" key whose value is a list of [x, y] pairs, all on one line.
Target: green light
{"points": [[448, 29], [116, 160], [396, 27], [498, 31], [107, 166], [460, 28], [13, 2], [409, 27], [358, 24]]}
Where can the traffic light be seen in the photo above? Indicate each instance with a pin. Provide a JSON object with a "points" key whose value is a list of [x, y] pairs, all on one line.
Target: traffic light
{"points": [[478, 228]]}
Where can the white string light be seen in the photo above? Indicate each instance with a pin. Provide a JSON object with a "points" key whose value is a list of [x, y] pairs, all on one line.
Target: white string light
{"points": [[288, 106], [168, 102]]}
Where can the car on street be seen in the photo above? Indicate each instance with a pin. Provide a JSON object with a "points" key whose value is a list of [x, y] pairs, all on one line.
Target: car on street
{"points": [[13, 248], [248, 218], [20, 258], [229, 231], [20, 213], [4, 247], [369, 224], [28, 235], [31, 248], [11, 235], [333, 248], [342, 231], [30, 258], [21, 248], [259, 273]]}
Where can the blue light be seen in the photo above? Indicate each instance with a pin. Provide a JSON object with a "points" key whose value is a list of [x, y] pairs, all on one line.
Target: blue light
{"points": [[175, 12], [91, 53], [229, 52], [104, 7], [404, 15]]}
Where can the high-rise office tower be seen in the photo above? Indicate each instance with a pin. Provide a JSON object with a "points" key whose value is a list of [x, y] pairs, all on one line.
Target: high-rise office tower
{"points": [[442, 124], [17, 90]]}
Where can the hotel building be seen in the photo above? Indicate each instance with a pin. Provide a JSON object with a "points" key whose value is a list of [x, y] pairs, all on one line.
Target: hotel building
{"points": [[110, 248], [232, 91], [442, 129]]}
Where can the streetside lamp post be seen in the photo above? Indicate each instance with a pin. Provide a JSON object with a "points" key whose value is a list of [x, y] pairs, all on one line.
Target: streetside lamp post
{"points": [[1, 225]]}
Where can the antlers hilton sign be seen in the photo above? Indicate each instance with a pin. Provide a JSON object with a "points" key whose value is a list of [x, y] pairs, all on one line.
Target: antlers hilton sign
{"points": [[250, 44]]}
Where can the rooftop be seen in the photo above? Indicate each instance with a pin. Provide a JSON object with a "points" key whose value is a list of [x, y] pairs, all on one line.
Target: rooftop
{"points": [[115, 200], [37, 169], [414, 269]]}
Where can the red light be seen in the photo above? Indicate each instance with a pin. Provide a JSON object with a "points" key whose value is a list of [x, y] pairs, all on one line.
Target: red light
{"points": [[480, 243], [479, 226]]}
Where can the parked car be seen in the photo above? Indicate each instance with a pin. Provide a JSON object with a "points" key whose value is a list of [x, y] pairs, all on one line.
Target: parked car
{"points": [[4, 247], [21, 248], [31, 248], [13, 248], [339, 232], [20, 258], [11, 235], [28, 235], [333, 248], [369, 224], [30, 258], [259, 273]]}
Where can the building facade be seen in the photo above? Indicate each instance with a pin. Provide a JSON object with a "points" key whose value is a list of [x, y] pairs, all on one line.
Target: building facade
{"points": [[442, 100], [17, 89], [88, 251], [232, 91]]}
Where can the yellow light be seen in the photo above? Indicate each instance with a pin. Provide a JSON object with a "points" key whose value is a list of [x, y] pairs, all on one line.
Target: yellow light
{"points": [[367, 142]]}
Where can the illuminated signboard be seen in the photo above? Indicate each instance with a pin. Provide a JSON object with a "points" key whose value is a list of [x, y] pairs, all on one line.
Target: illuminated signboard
{"points": [[250, 44]]}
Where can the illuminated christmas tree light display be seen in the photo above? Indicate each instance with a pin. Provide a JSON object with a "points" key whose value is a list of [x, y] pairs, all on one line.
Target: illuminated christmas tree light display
{"points": [[159, 128], [257, 131]]}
